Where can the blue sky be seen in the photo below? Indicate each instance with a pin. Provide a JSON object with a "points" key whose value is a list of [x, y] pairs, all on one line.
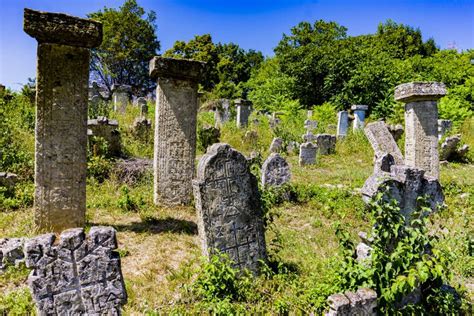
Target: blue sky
{"points": [[251, 24]]}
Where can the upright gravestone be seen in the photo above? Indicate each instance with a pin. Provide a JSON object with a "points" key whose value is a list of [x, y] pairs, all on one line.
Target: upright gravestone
{"points": [[76, 275], [275, 171], [443, 127], [121, 97], [359, 116], [307, 154], [61, 115], [310, 125], [230, 218], [175, 128], [421, 124], [142, 106], [326, 144], [277, 145], [383, 143], [222, 112], [342, 124], [244, 108]]}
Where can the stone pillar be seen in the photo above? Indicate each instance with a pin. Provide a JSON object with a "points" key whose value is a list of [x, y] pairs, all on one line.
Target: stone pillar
{"points": [[61, 116], [175, 128], [359, 116], [244, 108], [121, 97], [342, 124], [421, 124]]}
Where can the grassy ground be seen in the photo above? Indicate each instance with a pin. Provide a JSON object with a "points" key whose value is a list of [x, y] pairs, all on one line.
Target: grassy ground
{"points": [[160, 250]]}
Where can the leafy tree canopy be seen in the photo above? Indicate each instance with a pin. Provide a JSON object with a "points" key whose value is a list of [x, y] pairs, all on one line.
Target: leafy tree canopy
{"points": [[227, 65], [129, 42]]}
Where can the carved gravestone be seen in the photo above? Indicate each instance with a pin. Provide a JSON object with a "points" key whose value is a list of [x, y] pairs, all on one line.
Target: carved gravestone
{"points": [[385, 148], [63, 54], [404, 184], [363, 303], [175, 128], [109, 131], [121, 96], [326, 144], [228, 207], [421, 124], [309, 125], [222, 112], [277, 145], [76, 275], [275, 171], [307, 154]]}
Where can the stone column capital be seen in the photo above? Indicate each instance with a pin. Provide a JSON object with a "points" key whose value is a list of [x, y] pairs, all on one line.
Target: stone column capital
{"points": [[419, 91], [185, 69], [359, 107], [60, 28]]}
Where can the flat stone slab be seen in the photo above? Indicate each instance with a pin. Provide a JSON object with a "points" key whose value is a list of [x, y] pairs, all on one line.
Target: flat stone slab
{"points": [[60, 28], [77, 274], [176, 68], [419, 91], [382, 141]]}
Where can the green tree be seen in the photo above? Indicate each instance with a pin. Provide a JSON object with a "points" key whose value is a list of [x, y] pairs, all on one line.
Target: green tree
{"points": [[129, 42], [228, 66]]}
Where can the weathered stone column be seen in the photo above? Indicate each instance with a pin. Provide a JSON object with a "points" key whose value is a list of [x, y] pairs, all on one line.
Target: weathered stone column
{"points": [[244, 108], [175, 128], [359, 116], [421, 124], [342, 124], [61, 116]]}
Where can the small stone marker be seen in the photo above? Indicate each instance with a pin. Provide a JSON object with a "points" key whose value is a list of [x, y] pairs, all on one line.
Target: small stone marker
{"points": [[359, 116], [363, 303], [443, 127], [342, 124], [244, 108], [275, 171], [222, 112], [229, 209], [76, 275], [451, 149], [61, 115], [143, 106], [277, 145], [307, 154], [121, 96], [108, 130], [326, 144], [175, 128], [310, 125], [421, 124], [382, 142]]}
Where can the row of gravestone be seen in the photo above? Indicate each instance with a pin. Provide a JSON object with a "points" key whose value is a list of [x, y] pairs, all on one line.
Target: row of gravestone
{"points": [[225, 192]]}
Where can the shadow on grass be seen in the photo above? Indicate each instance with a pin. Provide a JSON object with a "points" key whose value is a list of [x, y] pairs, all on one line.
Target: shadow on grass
{"points": [[160, 225]]}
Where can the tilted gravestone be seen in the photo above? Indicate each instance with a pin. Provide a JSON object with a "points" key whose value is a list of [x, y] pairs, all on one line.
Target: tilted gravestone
{"points": [[275, 171], [63, 54], [229, 208], [307, 154], [421, 124], [277, 145], [342, 123], [77, 275], [175, 128], [326, 144], [383, 144]]}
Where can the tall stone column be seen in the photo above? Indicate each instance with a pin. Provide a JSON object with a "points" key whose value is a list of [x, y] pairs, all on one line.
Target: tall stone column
{"points": [[61, 116], [421, 124], [175, 128], [359, 116], [243, 108]]}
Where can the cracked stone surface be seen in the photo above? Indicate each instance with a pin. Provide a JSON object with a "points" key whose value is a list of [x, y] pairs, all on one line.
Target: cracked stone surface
{"points": [[76, 274], [229, 208], [11, 252]]}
